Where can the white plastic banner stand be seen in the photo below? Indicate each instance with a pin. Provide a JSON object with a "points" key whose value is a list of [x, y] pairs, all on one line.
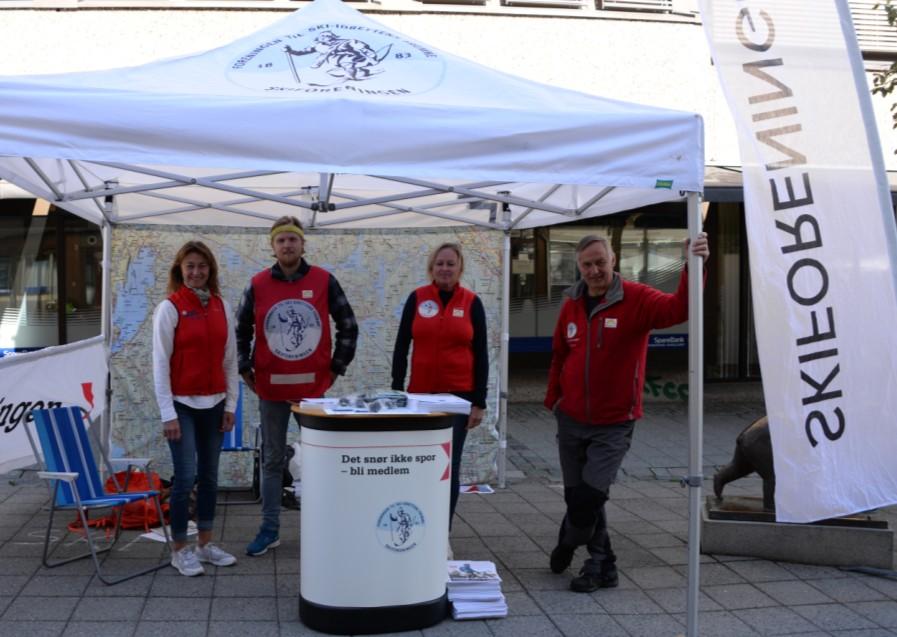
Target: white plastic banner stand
{"points": [[374, 521]]}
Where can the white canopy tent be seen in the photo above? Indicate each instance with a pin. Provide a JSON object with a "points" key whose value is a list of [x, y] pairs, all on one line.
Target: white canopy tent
{"points": [[335, 118]]}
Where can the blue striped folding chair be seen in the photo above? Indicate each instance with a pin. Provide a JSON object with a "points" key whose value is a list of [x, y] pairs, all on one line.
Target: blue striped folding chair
{"points": [[233, 443], [76, 485]]}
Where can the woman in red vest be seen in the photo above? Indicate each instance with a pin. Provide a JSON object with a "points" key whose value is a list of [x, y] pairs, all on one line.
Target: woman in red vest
{"points": [[447, 323], [195, 376]]}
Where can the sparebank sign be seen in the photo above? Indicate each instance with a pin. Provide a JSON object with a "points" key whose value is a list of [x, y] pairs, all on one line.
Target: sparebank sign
{"points": [[339, 58]]}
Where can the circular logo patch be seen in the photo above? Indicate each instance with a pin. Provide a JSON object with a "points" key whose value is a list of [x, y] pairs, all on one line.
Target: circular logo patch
{"points": [[428, 309], [571, 330], [400, 526], [292, 329], [338, 58]]}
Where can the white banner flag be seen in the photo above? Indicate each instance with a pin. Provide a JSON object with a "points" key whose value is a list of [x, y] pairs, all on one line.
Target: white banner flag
{"points": [[72, 374], [822, 245]]}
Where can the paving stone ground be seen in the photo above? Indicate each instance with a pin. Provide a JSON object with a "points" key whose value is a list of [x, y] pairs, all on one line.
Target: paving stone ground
{"points": [[515, 527]]}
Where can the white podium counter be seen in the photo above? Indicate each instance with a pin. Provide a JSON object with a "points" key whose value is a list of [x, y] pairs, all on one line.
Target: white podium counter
{"points": [[374, 521]]}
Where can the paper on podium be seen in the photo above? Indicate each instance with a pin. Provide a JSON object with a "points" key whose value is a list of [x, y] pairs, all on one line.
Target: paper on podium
{"points": [[417, 404]]}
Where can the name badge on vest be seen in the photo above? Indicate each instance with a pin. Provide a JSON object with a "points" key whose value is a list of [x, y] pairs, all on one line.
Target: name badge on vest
{"points": [[307, 294], [458, 312], [610, 322]]}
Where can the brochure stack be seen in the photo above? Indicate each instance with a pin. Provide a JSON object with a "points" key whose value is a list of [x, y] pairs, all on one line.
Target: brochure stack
{"points": [[474, 589]]}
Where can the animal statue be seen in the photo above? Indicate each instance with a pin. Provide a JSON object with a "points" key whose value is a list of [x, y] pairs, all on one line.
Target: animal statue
{"points": [[753, 452]]}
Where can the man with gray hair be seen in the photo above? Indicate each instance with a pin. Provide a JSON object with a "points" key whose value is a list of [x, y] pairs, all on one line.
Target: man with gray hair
{"points": [[595, 387]]}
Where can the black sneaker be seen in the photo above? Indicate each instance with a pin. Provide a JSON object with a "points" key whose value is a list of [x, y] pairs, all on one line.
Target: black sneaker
{"points": [[561, 557], [591, 582]]}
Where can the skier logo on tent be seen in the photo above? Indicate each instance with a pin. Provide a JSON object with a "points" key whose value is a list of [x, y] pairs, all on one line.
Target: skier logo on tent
{"points": [[343, 58]]}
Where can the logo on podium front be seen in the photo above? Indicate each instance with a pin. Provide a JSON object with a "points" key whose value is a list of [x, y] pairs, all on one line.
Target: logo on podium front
{"points": [[401, 526]]}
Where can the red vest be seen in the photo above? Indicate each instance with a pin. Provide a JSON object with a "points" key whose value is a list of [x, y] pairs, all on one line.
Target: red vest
{"points": [[292, 336], [200, 337], [442, 358]]}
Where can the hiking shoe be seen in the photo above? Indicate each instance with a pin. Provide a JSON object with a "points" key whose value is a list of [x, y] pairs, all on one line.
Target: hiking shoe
{"points": [[263, 541], [186, 563], [561, 557], [214, 555], [590, 582]]}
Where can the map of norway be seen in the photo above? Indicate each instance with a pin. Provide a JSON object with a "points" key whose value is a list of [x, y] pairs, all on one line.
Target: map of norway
{"points": [[132, 298]]}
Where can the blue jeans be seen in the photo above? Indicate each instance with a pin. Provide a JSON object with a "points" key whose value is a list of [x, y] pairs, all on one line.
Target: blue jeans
{"points": [[275, 419], [195, 459], [459, 435]]}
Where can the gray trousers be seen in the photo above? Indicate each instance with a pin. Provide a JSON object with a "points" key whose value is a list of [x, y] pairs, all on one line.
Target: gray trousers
{"points": [[275, 420], [590, 456]]}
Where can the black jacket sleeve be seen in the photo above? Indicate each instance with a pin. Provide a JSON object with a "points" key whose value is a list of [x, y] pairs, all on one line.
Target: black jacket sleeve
{"points": [[403, 344]]}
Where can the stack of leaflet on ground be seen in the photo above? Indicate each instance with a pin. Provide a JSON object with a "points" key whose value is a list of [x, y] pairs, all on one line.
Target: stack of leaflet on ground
{"points": [[474, 589]]}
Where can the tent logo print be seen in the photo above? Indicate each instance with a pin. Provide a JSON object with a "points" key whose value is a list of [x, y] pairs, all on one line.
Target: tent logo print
{"points": [[293, 329], [337, 58]]}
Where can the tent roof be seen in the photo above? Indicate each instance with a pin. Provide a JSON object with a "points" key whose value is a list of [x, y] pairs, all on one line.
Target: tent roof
{"points": [[344, 122]]}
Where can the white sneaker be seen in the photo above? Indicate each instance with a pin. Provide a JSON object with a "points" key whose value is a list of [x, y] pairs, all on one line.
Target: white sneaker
{"points": [[214, 555], [186, 563]]}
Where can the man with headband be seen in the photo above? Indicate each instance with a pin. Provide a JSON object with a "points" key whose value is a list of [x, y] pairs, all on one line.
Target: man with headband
{"points": [[285, 310]]}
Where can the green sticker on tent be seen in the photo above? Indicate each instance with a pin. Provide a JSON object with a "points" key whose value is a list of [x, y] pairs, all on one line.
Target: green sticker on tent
{"points": [[664, 183]]}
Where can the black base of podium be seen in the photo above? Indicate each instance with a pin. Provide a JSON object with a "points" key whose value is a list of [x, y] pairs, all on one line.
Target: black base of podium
{"points": [[342, 620]]}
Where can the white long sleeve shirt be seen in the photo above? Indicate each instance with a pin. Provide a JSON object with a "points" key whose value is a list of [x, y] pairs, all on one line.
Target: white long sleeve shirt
{"points": [[165, 320]]}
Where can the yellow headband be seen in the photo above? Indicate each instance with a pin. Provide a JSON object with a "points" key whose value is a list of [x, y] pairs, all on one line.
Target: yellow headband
{"points": [[287, 227]]}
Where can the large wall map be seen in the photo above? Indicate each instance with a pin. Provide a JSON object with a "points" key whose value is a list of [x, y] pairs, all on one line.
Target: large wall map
{"points": [[377, 270]]}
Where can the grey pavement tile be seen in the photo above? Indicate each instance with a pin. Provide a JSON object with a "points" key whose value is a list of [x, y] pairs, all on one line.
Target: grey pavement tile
{"points": [[716, 574], [833, 617], [56, 585], [520, 507], [883, 613], [617, 601], [176, 609], [739, 596], [542, 580], [564, 602], [451, 628], [288, 609], [793, 593], [531, 626], [123, 609], [4, 602], [245, 586], [21, 549], [761, 571], [172, 629], [520, 603], [13, 584], [19, 565], [884, 585], [588, 625], [847, 589], [500, 543], [288, 585], [813, 571], [41, 608], [180, 586], [523, 559], [32, 628], [774, 621], [720, 624], [656, 540], [870, 632], [238, 629], [655, 577], [99, 629], [674, 556], [137, 587], [675, 600], [244, 609], [650, 625]]}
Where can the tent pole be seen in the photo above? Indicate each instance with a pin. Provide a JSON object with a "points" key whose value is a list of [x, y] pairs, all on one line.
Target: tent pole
{"points": [[694, 479], [503, 363], [106, 331]]}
